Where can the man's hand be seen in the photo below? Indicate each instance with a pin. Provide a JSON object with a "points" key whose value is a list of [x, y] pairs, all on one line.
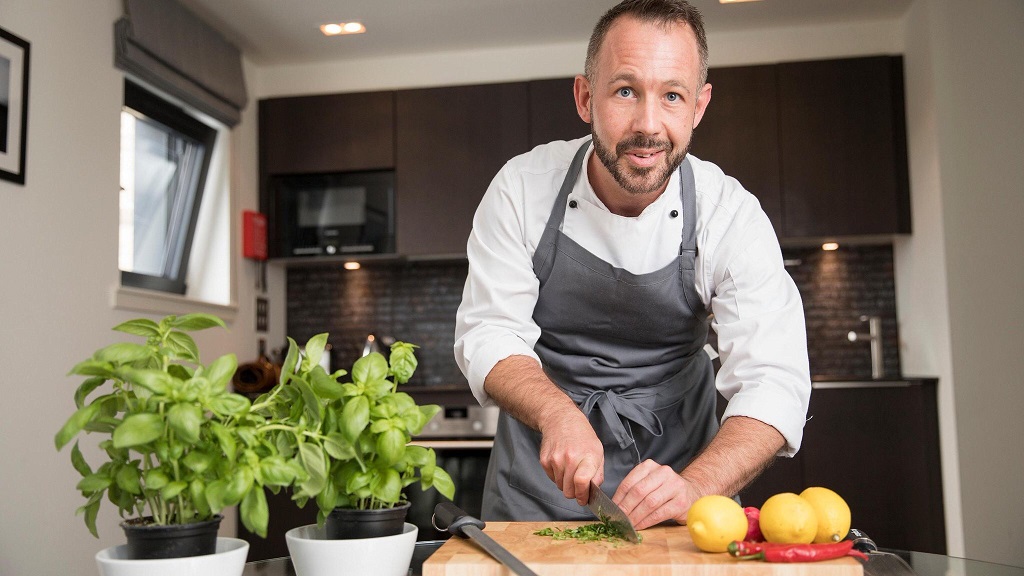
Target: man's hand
{"points": [[570, 451], [652, 493], [571, 454]]}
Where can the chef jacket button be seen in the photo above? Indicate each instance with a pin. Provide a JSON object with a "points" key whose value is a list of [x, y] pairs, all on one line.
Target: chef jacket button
{"points": [[572, 203], [673, 213]]}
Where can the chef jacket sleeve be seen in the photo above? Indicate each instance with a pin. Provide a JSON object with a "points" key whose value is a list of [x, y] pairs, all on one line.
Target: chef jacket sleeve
{"points": [[758, 315], [495, 318]]}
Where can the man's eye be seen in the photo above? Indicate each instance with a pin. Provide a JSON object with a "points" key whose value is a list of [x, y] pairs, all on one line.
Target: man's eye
{"points": [[625, 92], [673, 97]]}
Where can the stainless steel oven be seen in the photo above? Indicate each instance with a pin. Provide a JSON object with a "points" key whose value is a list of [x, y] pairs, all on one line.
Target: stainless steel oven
{"points": [[461, 436]]}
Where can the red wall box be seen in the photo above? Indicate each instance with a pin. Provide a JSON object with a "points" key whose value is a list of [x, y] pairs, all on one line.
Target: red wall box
{"points": [[254, 235]]}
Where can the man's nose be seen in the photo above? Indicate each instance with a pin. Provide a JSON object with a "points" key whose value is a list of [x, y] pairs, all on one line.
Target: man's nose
{"points": [[647, 116]]}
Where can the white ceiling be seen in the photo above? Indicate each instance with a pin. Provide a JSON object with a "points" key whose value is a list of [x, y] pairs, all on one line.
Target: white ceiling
{"points": [[272, 32]]}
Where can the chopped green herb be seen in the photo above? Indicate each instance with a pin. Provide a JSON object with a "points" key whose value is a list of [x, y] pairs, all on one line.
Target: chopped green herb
{"points": [[603, 530]]}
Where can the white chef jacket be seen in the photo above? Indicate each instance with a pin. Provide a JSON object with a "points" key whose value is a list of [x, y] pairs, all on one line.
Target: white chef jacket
{"points": [[758, 313]]}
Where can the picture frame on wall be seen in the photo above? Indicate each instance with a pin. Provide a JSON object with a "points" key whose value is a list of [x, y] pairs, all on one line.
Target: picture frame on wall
{"points": [[14, 65]]}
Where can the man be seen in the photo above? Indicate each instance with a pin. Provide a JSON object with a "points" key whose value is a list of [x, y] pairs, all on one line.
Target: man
{"points": [[593, 270]]}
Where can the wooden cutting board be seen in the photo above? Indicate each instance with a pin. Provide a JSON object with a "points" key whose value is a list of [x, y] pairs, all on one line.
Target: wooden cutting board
{"points": [[665, 550]]}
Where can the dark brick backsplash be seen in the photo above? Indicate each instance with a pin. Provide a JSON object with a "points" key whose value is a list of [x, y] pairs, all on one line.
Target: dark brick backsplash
{"points": [[416, 302]]}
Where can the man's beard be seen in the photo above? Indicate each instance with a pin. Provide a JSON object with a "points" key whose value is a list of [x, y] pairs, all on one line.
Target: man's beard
{"points": [[633, 179]]}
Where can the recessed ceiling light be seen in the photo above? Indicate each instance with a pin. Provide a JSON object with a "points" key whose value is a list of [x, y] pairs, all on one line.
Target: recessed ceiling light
{"points": [[334, 29]]}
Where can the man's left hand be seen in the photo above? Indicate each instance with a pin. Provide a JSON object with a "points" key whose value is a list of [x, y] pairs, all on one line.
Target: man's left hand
{"points": [[652, 493]]}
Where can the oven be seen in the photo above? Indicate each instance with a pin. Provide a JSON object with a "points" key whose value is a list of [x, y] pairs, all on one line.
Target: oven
{"points": [[461, 435]]}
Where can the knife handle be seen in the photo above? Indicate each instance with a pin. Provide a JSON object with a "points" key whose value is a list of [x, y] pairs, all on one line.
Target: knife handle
{"points": [[861, 541], [449, 517]]}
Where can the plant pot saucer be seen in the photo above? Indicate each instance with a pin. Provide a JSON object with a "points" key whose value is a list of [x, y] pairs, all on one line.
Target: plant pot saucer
{"points": [[314, 555], [229, 560]]}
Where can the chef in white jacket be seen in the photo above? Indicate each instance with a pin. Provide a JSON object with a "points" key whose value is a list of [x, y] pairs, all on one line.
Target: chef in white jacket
{"points": [[595, 270]]}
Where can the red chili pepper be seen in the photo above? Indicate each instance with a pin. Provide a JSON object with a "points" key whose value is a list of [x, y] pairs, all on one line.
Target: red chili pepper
{"points": [[793, 552]]}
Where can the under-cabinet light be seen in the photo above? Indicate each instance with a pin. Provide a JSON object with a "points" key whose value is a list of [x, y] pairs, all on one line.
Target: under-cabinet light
{"points": [[352, 266], [830, 246]]}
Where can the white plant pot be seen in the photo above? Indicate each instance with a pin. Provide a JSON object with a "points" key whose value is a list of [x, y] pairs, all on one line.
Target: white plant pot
{"points": [[313, 555], [229, 560]]}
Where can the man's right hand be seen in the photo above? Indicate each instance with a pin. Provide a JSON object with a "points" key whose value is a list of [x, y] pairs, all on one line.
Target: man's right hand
{"points": [[571, 453]]}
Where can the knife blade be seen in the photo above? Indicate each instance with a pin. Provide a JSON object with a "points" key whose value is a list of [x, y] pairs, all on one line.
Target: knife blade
{"points": [[606, 510], [458, 522]]}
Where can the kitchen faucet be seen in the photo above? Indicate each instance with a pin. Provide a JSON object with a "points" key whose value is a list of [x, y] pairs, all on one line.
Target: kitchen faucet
{"points": [[874, 336]]}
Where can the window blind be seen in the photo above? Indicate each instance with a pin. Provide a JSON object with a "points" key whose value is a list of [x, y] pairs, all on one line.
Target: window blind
{"points": [[162, 43]]}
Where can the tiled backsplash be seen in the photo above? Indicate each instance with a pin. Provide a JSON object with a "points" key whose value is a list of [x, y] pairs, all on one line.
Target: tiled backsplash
{"points": [[416, 302]]}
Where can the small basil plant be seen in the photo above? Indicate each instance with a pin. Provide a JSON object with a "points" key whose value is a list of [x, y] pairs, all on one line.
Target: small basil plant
{"points": [[177, 445], [349, 438]]}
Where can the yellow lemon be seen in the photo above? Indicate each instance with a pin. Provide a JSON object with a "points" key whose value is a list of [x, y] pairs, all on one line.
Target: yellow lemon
{"points": [[788, 519], [832, 511], [714, 522]]}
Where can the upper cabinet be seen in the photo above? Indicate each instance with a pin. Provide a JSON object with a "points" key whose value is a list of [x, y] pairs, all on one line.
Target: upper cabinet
{"points": [[842, 136], [740, 132], [821, 144], [553, 113], [327, 133], [450, 143]]}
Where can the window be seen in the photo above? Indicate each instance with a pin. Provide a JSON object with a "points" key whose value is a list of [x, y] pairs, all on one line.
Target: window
{"points": [[165, 159]]}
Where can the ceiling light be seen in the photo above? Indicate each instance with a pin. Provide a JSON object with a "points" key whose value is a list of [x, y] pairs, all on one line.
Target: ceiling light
{"points": [[830, 246], [352, 266], [334, 29]]}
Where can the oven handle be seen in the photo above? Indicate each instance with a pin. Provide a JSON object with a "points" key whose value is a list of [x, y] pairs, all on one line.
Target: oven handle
{"points": [[454, 444]]}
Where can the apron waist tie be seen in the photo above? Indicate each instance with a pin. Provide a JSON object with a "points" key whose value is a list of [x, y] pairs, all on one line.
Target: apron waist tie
{"points": [[613, 405]]}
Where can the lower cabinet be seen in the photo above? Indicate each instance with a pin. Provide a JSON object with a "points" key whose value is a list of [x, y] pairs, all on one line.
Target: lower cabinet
{"points": [[877, 445]]}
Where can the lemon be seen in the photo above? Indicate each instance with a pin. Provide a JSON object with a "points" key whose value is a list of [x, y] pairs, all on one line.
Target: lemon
{"points": [[788, 519], [832, 511], [714, 522]]}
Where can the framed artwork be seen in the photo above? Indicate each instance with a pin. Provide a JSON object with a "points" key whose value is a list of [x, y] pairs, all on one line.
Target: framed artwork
{"points": [[13, 106]]}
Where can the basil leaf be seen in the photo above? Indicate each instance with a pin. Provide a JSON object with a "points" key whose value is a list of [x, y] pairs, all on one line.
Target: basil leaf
{"points": [[139, 327], [370, 368], [355, 416], [185, 420], [138, 429], [75, 423], [254, 511], [197, 321]]}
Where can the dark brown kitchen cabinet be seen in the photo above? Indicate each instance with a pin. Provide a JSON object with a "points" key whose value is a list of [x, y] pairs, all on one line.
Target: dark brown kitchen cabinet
{"points": [[740, 132], [450, 142], [877, 445], [842, 139], [553, 113], [327, 133]]}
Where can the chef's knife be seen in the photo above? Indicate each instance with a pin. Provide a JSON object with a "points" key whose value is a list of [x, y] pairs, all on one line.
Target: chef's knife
{"points": [[879, 563], [606, 510], [451, 518]]}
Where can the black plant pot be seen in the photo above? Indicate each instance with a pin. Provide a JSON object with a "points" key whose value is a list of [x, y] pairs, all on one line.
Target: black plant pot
{"points": [[147, 541], [348, 524]]}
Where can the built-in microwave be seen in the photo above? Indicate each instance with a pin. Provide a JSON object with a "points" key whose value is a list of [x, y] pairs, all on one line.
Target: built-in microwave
{"points": [[335, 214]]}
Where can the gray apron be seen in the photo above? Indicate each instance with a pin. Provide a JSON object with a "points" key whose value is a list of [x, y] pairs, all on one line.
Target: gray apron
{"points": [[627, 348]]}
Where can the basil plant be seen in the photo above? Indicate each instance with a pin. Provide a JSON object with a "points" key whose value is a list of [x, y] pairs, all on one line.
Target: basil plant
{"points": [[179, 446], [351, 439]]}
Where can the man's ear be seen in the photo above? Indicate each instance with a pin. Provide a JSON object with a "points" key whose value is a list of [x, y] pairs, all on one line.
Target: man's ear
{"points": [[582, 93], [702, 104]]}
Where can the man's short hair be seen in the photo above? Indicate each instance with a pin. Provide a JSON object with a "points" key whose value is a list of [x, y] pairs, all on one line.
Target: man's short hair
{"points": [[664, 12]]}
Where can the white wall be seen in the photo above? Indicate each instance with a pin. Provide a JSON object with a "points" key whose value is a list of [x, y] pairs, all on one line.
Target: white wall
{"points": [[556, 60], [58, 266], [920, 262], [959, 277]]}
